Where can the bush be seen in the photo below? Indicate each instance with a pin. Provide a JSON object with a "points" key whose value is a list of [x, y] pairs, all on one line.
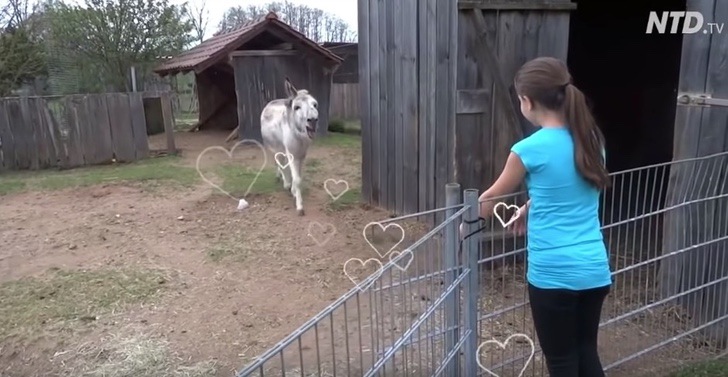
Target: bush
{"points": [[337, 125]]}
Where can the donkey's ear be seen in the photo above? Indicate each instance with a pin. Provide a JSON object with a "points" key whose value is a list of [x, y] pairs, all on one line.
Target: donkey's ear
{"points": [[290, 89], [288, 102]]}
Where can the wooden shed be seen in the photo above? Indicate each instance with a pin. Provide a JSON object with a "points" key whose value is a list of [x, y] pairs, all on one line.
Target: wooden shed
{"points": [[348, 71], [438, 104], [238, 71]]}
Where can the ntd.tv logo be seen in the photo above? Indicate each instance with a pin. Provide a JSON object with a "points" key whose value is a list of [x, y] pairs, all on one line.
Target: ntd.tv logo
{"points": [[692, 22]]}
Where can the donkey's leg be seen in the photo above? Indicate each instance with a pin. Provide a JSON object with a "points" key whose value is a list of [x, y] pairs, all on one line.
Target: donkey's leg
{"points": [[295, 166], [286, 176]]}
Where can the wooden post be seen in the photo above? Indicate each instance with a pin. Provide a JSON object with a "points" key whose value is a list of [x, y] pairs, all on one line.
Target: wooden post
{"points": [[168, 122]]}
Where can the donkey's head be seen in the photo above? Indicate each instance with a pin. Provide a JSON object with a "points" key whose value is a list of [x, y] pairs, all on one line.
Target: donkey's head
{"points": [[303, 110]]}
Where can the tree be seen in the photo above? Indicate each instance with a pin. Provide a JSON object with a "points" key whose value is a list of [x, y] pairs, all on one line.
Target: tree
{"points": [[315, 23], [22, 57], [111, 36], [199, 16]]}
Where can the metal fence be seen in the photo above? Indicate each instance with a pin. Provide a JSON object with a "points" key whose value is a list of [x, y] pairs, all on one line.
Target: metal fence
{"points": [[428, 313]]}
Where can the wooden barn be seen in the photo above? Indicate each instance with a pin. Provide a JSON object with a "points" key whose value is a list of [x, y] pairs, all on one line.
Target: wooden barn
{"points": [[345, 93], [438, 103], [239, 71]]}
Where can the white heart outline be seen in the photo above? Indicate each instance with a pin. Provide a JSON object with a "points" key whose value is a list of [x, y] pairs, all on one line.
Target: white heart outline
{"points": [[514, 218], [336, 182], [324, 226], [503, 346], [288, 157], [364, 263], [229, 153], [384, 229], [394, 254]]}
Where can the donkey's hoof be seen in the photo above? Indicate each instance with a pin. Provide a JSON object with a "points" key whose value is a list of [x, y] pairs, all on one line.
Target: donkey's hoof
{"points": [[300, 212]]}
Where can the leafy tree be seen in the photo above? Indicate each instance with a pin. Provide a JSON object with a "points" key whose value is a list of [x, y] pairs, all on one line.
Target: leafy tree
{"points": [[21, 54], [110, 36], [316, 24]]}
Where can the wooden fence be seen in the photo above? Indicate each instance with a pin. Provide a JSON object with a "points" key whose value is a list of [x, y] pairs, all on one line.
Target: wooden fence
{"points": [[344, 101], [77, 130]]}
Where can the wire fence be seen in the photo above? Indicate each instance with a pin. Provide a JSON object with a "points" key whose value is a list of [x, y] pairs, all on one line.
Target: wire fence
{"points": [[428, 310]]}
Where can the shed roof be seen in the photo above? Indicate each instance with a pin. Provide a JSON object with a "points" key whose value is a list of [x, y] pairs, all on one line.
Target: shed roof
{"points": [[220, 45]]}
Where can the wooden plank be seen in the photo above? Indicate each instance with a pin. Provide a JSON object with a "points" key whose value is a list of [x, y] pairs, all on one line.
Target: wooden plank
{"points": [[396, 90], [7, 142], [712, 264], [94, 129], [138, 126], [409, 105], [391, 165], [122, 138], [422, 102], [48, 131], [384, 122], [517, 4], [28, 132], [677, 226], [554, 35], [245, 53], [451, 88], [75, 112], [54, 111], [374, 122], [40, 146], [19, 131], [432, 106], [168, 116], [472, 101]]}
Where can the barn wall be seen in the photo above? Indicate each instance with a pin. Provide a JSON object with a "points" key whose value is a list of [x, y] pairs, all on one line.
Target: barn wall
{"points": [[259, 79], [510, 38], [407, 76], [216, 96]]}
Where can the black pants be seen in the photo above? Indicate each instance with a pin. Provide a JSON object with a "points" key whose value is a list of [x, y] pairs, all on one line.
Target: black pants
{"points": [[567, 323]]}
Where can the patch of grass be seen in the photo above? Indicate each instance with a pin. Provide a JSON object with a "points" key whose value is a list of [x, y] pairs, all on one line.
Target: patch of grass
{"points": [[237, 180], [712, 368], [66, 297], [149, 171], [139, 356], [348, 200], [351, 126], [340, 140], [312, 166]]}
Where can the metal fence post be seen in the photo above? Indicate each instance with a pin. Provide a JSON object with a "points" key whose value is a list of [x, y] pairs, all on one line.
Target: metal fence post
{"points": [[452, 302], [470, 255]]}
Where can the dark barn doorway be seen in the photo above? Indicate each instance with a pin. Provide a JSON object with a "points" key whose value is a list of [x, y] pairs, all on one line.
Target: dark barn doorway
{"points": [[631, 78]]}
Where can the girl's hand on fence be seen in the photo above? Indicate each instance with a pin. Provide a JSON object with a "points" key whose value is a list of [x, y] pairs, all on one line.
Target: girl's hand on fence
{"points": [[518, 226]]}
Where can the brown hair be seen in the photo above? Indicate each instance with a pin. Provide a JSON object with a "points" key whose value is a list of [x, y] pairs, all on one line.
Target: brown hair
{"points": [[547, 82]]}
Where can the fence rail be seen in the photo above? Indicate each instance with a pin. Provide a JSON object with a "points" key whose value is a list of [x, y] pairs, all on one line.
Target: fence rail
{"points": [[76, 130], [668, 245], [344, 101]]}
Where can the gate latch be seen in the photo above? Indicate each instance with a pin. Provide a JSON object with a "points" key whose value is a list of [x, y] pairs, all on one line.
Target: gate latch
{"points": [[701, 99]]}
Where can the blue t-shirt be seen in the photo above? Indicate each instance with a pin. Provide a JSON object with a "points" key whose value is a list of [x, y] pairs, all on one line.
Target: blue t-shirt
{"points": [[565, 244]]}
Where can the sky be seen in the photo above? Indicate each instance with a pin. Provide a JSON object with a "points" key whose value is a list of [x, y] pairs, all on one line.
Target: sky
{"points": [[346, 9]]}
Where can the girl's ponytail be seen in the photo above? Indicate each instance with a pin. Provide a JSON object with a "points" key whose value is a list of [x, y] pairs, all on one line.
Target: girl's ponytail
{"points": [[588, 139]]}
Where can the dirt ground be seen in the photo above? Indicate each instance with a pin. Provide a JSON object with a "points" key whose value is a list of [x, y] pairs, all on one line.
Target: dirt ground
{"points": [[235, 282], [134, 277]]}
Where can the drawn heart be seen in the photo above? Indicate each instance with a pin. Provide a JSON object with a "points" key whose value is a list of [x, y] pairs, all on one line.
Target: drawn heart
{"points": [[503, 346], [286, 157], [514, 218], [407, 258], [352, 275], [336, 182], [230, 154], [384, 229], [317, 232]]}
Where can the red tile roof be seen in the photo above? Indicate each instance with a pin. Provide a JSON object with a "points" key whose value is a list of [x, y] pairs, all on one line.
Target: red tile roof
{"points": [[220, 45]]}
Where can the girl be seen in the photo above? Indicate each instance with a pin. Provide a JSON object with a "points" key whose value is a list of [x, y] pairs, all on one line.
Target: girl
{"points": [[564, 169]]}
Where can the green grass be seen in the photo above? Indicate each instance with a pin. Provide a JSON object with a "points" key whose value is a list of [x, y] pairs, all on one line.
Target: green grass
{"points": [[348, 200], [237, 180], [68, 297], [150, 171], [712, 368], [339, 140], [352, 126]]}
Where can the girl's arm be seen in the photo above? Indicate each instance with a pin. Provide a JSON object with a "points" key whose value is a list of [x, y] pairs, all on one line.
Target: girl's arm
{"points": [[512, 175]]}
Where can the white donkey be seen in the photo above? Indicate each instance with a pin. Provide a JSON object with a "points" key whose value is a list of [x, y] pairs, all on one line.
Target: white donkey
{"points": [[288, 126]]}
